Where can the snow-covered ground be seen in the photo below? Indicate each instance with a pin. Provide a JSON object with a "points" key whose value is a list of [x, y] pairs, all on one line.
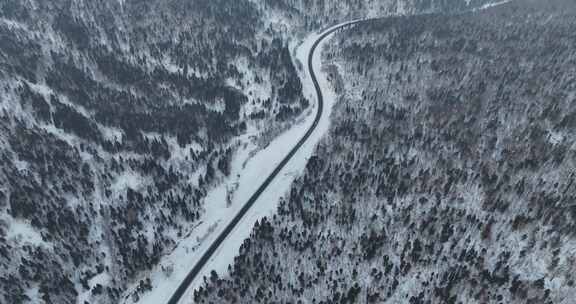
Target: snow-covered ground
{"points": [[489, 5], [23, 232], [250, 167]]}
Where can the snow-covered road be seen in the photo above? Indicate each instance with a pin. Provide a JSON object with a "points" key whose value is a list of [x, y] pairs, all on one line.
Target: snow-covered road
{"points": [[268, 172], [288, 154], [275, 167]]}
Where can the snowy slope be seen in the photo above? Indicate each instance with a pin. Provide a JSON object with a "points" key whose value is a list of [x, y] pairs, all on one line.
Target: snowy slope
{"points": [[115, 120]]}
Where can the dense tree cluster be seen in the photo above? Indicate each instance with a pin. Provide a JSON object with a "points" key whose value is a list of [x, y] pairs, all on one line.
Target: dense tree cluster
{"points": [[447, 176], [314, 14]]}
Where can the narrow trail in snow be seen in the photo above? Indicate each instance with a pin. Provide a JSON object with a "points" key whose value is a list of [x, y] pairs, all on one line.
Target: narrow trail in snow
{"points": [[183, 287]]}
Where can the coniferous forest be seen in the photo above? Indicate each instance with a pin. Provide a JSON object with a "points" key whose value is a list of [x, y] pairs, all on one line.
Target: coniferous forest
{"points": [[446, 177], [447, 174]]}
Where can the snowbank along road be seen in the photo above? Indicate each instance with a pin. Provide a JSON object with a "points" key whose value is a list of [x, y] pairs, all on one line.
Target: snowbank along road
{"points": [[198, 267]]}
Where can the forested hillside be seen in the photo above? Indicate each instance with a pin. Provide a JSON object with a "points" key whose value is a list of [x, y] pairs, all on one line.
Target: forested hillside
{"points": [[447, 176], [116, 117], [308, 15]]}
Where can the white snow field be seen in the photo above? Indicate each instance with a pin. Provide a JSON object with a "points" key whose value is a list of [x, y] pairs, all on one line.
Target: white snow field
{"points": [[250, 167]]}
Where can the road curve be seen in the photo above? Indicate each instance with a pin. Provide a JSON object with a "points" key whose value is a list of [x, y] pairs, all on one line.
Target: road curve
{"points": [[183, 287]]}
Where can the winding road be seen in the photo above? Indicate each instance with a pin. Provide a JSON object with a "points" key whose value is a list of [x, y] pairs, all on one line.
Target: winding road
{"points": [[184, 285]]}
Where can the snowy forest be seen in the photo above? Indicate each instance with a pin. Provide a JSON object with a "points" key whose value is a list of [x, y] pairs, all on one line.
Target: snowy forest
{"points": [[447, 175], [116, 117]]}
